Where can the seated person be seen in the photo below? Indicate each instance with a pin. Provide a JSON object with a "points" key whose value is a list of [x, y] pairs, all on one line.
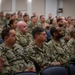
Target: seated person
{"points": [[13, 54]]}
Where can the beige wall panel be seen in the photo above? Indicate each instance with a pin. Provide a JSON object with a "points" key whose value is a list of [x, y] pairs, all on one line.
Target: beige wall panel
{"points": [[21, 5], [6, 5], [38, 6], [69, 8]]}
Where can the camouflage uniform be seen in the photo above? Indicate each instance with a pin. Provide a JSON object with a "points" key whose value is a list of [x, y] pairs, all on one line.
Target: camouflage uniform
{"points": [[14, 59], [60, 52], [32, 26], [71, 45], [6, 22], [40, 56], [48, 20], [65, 30], [2, 21], [19, 19], [24, 39]]}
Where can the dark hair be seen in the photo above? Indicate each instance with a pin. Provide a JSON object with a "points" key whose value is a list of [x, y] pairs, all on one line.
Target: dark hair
{"points": [[52, 30], [11, 22], [41, 16], [25, 15], [18, 12], [5, 32], [37, 30], [58, 20], [72, 32], [32, 17], [51, 20]]}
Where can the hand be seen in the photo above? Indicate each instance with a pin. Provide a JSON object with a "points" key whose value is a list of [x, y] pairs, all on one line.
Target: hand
{"points": [[30, 69], [57, 63]]}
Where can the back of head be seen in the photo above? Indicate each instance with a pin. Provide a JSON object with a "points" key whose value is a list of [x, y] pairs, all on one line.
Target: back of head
{"points": [[72, 32], [5, 32], [11, 22], [37, 30], [52, 30]]}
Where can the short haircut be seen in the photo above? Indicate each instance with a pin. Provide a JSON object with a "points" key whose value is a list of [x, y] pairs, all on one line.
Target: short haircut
{"points": [[25, 15], [51, 20], [52, 30], [58, 20], [72, 32], [41, 16], [5, 32], [32, 17], [11, 22], [36, 31]]}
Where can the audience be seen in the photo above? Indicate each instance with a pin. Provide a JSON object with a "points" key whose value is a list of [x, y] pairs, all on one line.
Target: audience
{"points": [[35, 42]]}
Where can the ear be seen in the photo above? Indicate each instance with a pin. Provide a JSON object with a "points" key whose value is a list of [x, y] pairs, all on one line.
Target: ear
{"points": [[11, 25], [36, 36], [6, 37], [54, 33]]}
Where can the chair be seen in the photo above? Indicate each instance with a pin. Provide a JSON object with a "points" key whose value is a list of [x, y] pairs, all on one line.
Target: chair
{"points": [[26, 73], [1, 41], [56, 70], [71, 69]]}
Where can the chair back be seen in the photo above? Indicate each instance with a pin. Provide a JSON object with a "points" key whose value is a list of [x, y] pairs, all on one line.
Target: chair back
{"points": [[56, 70], [71, 69], [26, 73]]}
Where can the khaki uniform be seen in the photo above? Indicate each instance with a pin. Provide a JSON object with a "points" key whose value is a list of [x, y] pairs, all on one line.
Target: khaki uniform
{"points": [[14, 59]]}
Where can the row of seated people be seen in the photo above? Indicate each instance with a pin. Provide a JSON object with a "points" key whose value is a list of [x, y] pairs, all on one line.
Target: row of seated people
{"points": [[67, 24], [53, 70], [37, 54], [26, 50]]}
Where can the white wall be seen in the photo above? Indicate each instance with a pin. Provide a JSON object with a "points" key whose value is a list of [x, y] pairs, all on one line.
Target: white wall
{"points": [[69, 8], [38, 6], [42, 7], [51, 7]]}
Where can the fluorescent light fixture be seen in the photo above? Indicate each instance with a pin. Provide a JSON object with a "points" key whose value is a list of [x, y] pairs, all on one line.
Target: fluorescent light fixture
{"points": [[29, 0]]}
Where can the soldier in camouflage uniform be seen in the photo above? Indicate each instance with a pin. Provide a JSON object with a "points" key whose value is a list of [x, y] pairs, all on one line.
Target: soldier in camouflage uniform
{"points": [[33, 24], [2, 19], [65, 31], [13, 55], [38, 51], [19, 16], [71, 43], [49, 18], [23, 38], [26, 19], [43, 22], [60, 51], [7, 19]]}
